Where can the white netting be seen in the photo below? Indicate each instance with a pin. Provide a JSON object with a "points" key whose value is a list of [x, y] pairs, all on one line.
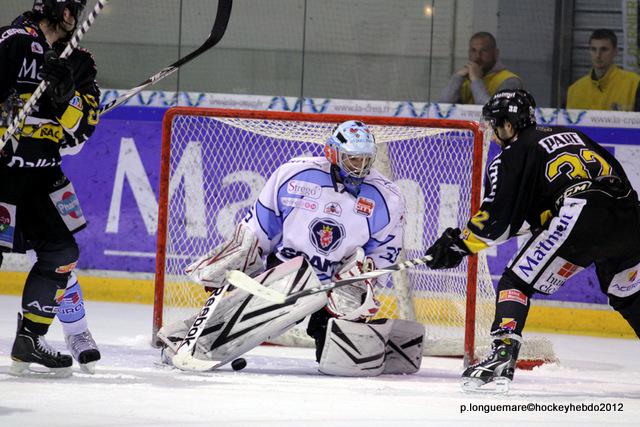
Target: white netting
{"points": [[218, 166]]}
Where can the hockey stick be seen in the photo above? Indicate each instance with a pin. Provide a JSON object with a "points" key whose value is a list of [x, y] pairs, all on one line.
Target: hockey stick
{"points": [[183, 359], [75, 40], [219, 28], [242, 281]]}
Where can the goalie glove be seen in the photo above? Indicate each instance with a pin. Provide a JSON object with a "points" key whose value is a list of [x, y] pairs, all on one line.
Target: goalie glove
{"points": [[357, 301], [241, 252]]}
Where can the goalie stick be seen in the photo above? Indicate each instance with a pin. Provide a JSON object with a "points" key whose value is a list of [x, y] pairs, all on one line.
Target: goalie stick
{"points": [[242, 281], [75, 40], [184, 359], [218, 30]]}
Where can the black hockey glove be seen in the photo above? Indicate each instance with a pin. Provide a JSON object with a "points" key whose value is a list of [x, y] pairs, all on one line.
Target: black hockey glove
{"points": [[59, 74], [448, 250]]}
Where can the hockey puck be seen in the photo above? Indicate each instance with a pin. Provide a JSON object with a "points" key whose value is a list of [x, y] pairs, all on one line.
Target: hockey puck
{"points": [[238, 364]]}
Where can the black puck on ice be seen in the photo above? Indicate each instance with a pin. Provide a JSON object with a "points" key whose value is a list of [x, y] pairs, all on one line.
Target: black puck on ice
{"points": [[238, 364]]}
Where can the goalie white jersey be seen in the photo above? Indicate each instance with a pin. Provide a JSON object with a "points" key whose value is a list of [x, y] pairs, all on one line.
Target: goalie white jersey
{"points": [[302, 210]]}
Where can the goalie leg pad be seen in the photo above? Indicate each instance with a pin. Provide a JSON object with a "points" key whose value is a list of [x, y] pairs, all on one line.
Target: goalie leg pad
{"points": [[404, 347], [384, 346], [354, 349], [243, 321]]}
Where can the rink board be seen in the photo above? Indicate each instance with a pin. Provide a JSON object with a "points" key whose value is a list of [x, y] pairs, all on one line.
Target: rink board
{"points": [[570, 318], [119, 200]]}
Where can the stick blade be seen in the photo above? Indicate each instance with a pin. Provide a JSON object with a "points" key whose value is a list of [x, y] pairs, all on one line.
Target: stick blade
{"points": [[242, 281], [186, 362]]}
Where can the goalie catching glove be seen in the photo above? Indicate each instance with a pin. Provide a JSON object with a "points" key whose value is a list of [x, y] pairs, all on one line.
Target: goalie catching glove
{"points": [[241, 252], [357, 301]]}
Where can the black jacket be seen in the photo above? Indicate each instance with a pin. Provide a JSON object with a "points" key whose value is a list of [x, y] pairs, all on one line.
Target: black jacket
{"points": [[49, 128], [527, 179]]}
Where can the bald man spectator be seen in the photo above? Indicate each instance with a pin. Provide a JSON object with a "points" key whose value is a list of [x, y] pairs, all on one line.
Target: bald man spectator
{"points": [[607, 86], [482, 76]]}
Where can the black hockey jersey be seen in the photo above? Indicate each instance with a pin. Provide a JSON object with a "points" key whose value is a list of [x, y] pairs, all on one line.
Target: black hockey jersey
{"points": [[523, 182], [48, 129]]}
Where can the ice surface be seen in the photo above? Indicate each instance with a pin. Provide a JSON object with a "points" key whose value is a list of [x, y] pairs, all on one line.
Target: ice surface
{"points": [[281, 386]]}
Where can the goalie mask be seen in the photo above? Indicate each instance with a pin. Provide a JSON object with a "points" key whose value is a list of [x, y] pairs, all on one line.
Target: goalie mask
{"points": [[351, 149], [53, 10]]}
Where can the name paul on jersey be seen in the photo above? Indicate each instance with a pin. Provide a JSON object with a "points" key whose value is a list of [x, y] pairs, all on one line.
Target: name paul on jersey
{"points": [[559, 140]]}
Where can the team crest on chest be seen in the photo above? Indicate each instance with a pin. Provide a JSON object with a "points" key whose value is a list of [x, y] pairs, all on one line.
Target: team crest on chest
{"points": [[326, 234], [365, 206]]}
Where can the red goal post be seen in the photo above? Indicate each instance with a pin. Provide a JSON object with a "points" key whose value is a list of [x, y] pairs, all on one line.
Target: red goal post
{"points": [[221, 142]]}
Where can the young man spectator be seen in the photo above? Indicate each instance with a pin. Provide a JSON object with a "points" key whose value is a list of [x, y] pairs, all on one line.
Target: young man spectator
{"points": [[482, 76], [607, 86]]}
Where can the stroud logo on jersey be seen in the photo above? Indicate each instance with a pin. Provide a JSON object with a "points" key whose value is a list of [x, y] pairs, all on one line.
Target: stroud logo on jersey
{"points": [[326, 234], [304, 188]]}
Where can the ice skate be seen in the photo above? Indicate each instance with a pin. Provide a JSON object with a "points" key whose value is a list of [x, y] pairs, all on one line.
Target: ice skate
{"points": [[85, 350], [495, 372], [29, 348]]}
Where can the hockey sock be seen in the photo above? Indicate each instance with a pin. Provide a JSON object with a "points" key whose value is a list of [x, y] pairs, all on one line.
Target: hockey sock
{"points": [[512, 307], [33, 326], [630, 309], [40, 299], [71, 312]]}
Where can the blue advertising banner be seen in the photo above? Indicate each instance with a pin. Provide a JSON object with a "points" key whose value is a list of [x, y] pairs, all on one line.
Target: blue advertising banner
{"points": [[116, 178]]}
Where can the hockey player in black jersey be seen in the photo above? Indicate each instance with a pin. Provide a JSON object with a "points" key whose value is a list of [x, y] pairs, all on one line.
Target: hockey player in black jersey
{"points": [[38, 205], [580, 208]]}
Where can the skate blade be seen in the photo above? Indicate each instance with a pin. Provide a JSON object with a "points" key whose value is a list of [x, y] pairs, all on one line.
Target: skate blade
{"points": [[88, 368], [24, 369], [88, 359], [166, 356], [500, 385]]}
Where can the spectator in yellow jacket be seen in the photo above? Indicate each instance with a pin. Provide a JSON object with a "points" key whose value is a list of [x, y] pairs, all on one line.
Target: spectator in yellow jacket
{"points": [[482, 76], [607, 86]]}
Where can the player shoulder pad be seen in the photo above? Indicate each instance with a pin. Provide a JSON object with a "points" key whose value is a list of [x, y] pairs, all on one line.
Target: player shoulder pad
{"points": [[18, 31], [317, 162], [299, 164], [388, 188]]}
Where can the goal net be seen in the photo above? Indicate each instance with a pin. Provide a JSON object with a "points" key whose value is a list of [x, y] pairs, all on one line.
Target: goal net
{"points": [[215, 162]]}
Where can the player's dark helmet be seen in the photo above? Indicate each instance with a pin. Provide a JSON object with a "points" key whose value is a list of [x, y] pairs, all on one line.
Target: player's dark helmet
{"points": [[515, 106], [53, 10]]}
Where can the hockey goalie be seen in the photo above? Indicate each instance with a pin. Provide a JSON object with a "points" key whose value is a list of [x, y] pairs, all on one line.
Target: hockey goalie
{"points": [[317, 219]]}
